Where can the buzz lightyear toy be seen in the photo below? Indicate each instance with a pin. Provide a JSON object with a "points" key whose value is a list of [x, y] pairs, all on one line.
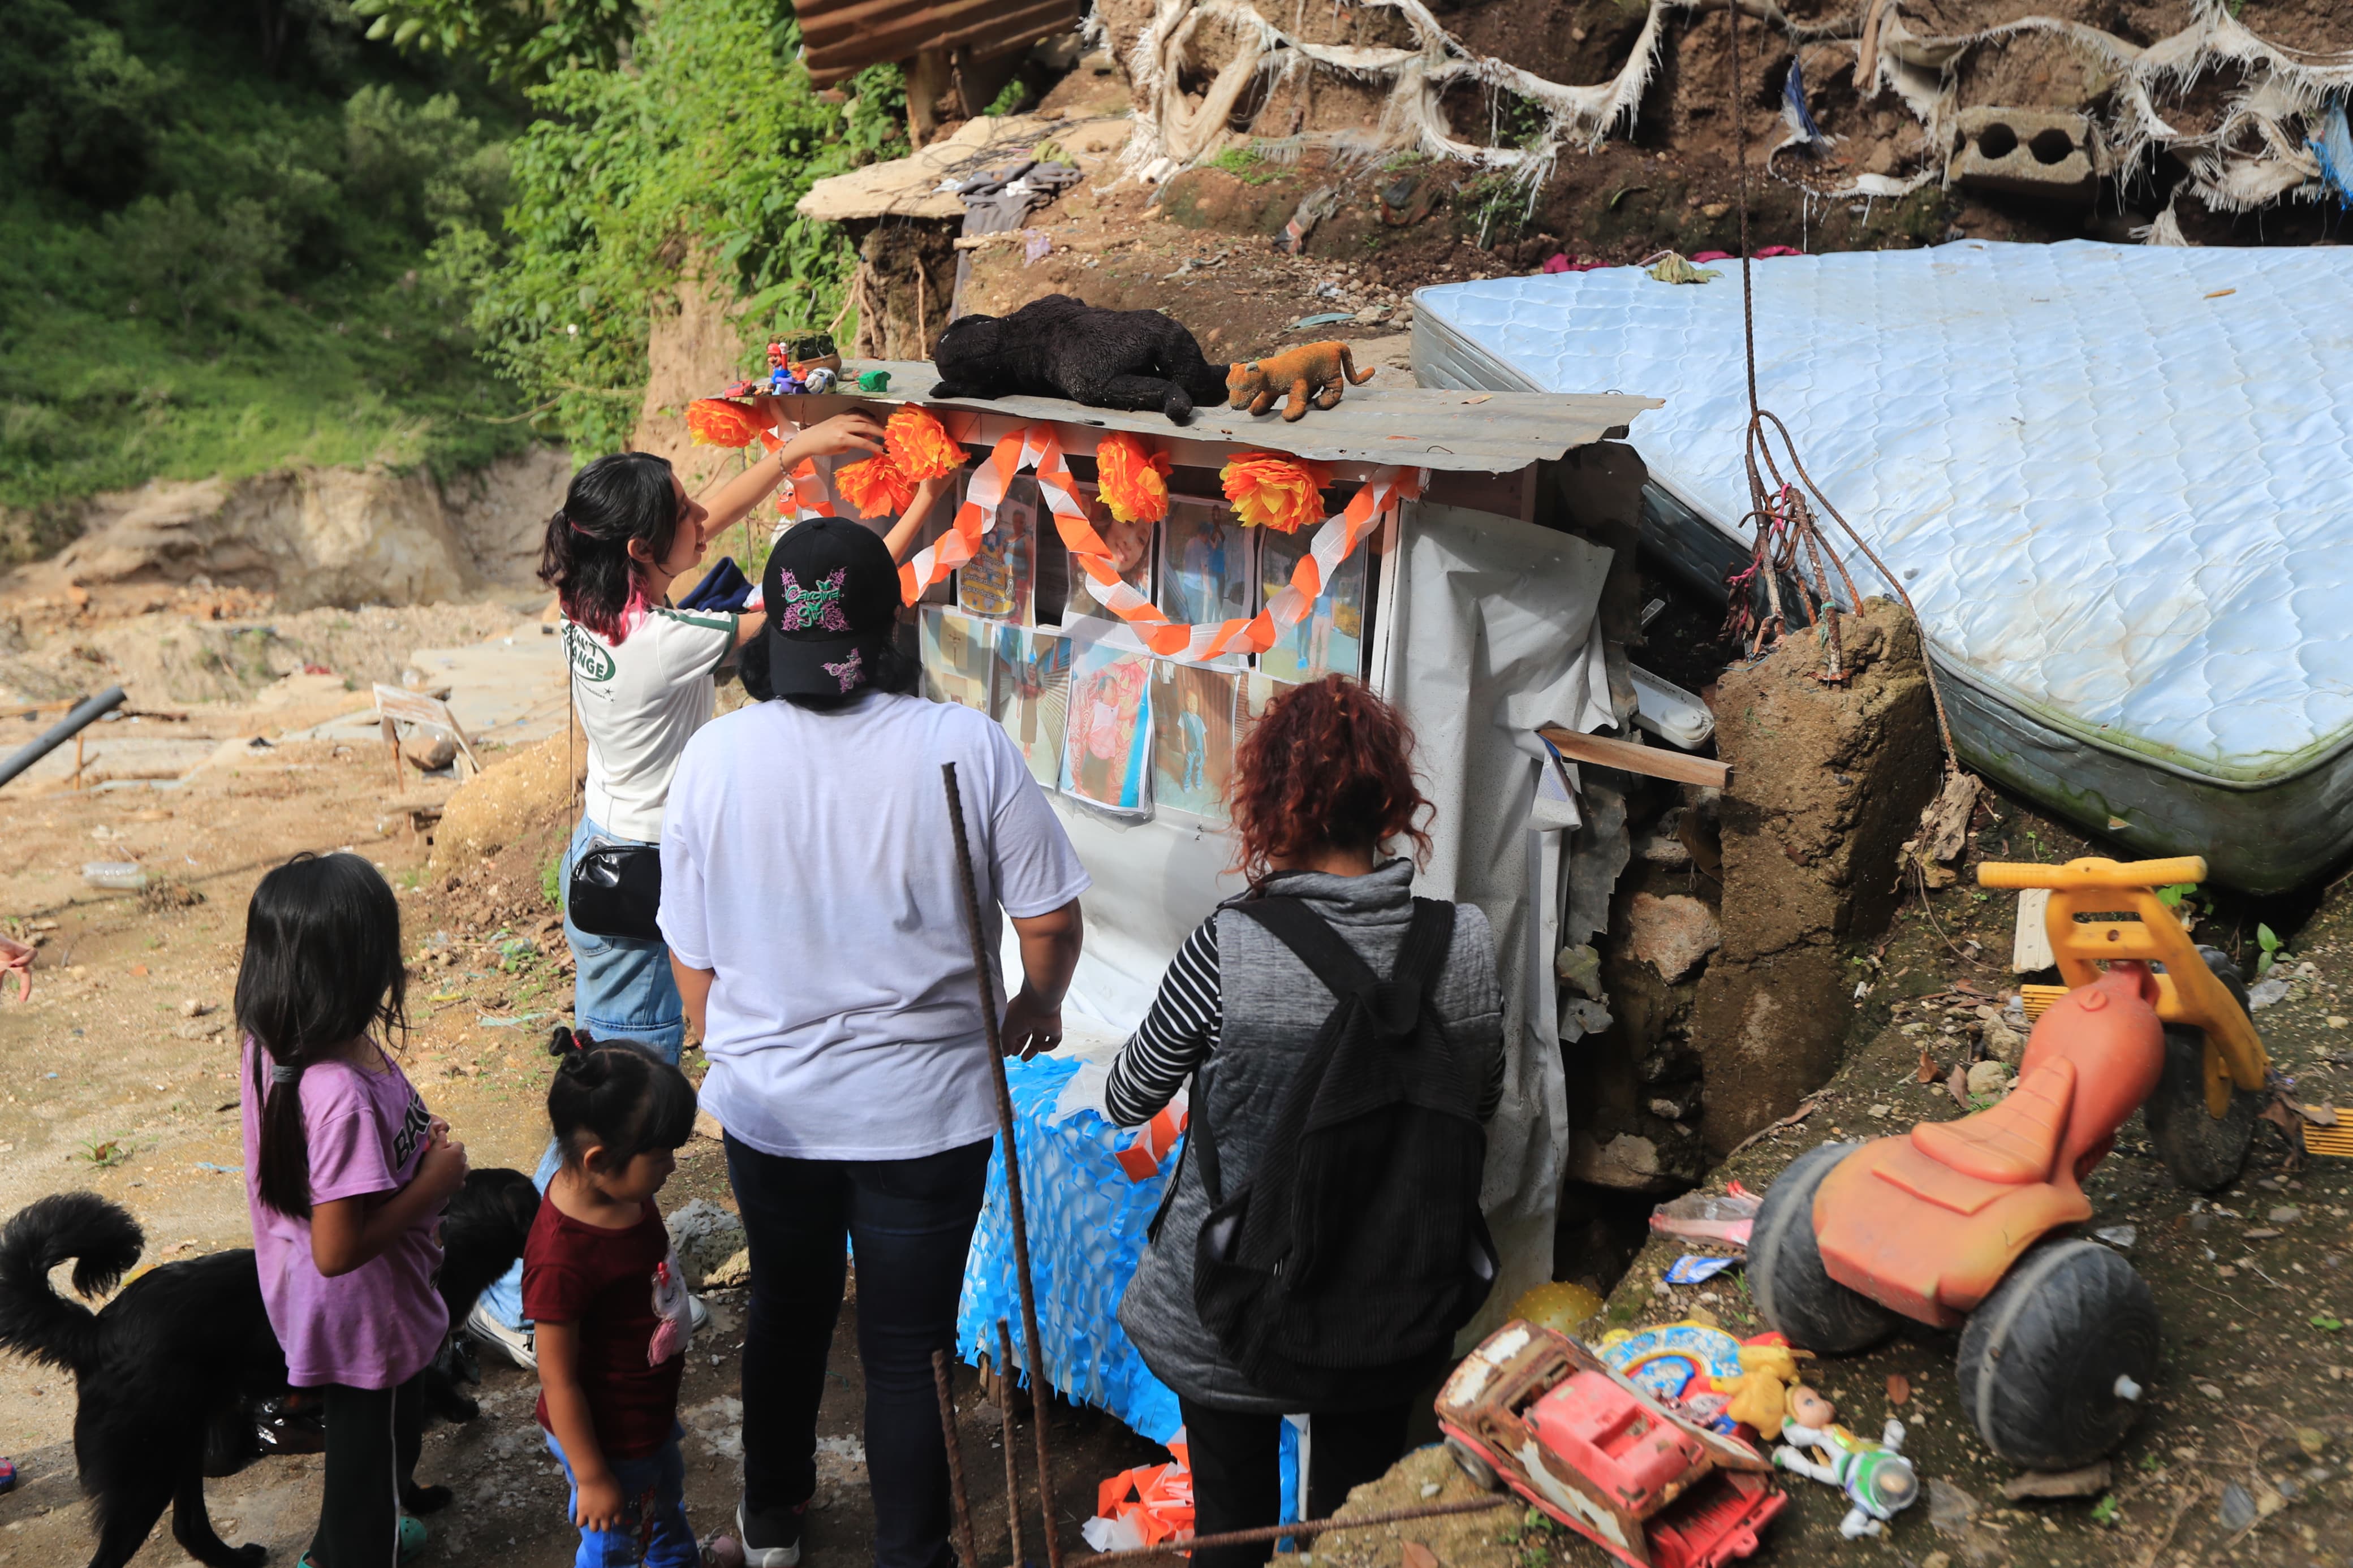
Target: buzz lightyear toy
{"points": [[1876, 1477]]}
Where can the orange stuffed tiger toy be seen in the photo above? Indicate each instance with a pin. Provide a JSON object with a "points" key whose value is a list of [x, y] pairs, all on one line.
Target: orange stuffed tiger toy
{"points": [[1316, 372]]}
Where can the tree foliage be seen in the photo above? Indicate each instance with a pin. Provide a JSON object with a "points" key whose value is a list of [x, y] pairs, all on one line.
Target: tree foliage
{"points": [[216, 244], [520, 42], [691, 159]]}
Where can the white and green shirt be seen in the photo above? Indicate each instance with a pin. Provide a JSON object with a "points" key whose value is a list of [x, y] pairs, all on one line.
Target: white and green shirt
{"points": [[640, 703]]}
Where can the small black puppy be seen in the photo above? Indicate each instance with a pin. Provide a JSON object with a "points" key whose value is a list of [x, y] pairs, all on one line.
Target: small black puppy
{"points": [[189, 1347], [1060, 347]]}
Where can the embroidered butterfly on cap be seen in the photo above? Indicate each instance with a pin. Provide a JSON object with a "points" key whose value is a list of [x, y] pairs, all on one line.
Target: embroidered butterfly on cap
{"points": [[833, 592]]}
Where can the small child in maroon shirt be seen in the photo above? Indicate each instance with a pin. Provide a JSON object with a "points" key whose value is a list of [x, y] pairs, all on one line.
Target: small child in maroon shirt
{"points": [[600, 1280]]}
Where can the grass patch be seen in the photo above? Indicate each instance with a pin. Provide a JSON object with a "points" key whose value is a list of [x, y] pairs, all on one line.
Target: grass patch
{"points": [[1244, 163]]}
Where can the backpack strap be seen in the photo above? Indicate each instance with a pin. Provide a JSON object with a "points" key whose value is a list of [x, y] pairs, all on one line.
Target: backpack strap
{"points": [[1312, 939]]}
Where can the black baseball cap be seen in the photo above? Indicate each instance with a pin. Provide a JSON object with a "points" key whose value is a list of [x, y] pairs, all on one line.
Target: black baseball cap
{"points": [[832, 596]]}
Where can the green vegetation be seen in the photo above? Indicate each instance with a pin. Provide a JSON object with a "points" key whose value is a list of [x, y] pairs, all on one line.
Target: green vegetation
{"points": [[410, 231], [517, 41], [1244, 163], [695, 156], [219, 246]]}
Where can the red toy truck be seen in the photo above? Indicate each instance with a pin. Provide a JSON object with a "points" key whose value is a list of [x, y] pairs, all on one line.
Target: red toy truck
{"points": [[1537, 1411]]}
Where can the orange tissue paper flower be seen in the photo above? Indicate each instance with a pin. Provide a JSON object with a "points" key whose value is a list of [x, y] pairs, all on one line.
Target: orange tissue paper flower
{"points": [[919, 445], [875, 487], [718, 422], [1269, 491], [1134, 482]]}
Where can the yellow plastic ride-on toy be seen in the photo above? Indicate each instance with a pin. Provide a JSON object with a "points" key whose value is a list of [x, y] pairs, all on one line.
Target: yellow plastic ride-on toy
{"points": [[1963, 1224]]}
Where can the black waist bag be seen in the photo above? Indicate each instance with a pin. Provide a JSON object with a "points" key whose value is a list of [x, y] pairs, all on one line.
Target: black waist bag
{"points": [[1339, 1273], [615, 890]]}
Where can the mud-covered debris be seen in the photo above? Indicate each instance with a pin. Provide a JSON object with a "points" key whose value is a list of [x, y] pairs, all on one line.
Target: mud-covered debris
{"points": [[2090, 1481], [2238, 1509]]}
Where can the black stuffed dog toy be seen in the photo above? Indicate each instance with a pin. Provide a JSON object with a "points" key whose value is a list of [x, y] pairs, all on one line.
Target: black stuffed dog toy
{"points": [[1059, 347]]}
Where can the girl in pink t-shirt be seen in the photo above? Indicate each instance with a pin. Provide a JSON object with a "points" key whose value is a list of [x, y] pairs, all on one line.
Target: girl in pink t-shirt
{"points": [[346, 1175]]}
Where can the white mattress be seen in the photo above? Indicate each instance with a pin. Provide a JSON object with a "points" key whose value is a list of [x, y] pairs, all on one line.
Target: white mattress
{"points": [[2117, 480]]}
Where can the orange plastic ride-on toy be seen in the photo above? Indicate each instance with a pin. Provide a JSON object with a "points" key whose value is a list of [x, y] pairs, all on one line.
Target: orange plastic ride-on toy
{"points": [[1958, 1225]]}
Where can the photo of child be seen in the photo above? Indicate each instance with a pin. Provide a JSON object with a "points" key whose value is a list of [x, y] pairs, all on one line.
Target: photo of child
{"points": [[1107, 756], [1205, 563], [1033, 697], [1193, 737], [1331, 637], [996, 581], [958, 656], [1129, 544]]}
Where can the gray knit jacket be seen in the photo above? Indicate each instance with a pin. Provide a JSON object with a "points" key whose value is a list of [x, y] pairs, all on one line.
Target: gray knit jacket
{"points": [[1238, 1012]]}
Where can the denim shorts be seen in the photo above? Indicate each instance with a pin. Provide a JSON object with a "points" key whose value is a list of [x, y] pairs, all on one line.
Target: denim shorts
{"points": [[622, 989]]}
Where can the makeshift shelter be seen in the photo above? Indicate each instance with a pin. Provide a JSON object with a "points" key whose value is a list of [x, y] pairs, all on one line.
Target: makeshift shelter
{"points": [[2116, 482], [1125, 658]]}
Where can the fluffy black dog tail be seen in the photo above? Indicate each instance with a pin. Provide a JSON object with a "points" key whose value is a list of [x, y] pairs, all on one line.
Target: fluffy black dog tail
{"points": [[105, 1242]]}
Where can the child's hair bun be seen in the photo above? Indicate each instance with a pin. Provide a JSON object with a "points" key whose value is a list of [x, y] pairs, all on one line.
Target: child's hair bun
{"points": [[576, 1054]]}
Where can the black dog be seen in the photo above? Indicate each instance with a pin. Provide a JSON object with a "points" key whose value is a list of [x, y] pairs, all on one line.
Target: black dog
{"points": [[188, 1348], [1059, 347]]}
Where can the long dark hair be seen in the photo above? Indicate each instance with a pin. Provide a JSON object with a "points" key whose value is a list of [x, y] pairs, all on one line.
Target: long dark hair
{"points": [[586, 555], [322, 968], [616, 1093]]}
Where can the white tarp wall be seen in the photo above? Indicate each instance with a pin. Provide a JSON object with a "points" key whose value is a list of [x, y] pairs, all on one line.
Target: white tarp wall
{"points": [[1485, 629]]}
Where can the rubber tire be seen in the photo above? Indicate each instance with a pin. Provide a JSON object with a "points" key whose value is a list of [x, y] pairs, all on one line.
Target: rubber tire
{"points": [[2040, 1356], [1475, 1465], [2203, 1155], [1786, 1276]]}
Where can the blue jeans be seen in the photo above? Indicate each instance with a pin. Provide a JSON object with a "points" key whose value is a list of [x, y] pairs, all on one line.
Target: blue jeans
{"points": [[654, 1530], [622, 990]]}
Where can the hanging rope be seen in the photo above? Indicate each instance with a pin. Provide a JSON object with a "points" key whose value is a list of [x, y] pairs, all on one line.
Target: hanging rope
{"points": [[1787, 539]]}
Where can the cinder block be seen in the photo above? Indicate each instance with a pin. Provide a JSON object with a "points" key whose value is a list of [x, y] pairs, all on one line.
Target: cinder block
{"points": [[2043, 152]]}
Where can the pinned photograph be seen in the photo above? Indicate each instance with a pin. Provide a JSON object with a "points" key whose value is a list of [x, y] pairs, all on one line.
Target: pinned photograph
{"points": [[1329, 638], [958, 656], [996, 581], [1129, 544], [1033, 697], [1205, 557], [1257, 691], [1192, 737], [1107, 756]]}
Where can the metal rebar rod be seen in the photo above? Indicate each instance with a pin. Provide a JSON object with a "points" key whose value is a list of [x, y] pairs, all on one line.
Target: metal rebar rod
{"points": [[1173, 1548], [85, 713], [966, 1551], [980, 963], [1012, 1445]]}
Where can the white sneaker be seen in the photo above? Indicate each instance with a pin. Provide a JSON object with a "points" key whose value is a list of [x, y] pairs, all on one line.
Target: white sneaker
{"points": [[515, 1344], [699, 1314], [786, 1530]]}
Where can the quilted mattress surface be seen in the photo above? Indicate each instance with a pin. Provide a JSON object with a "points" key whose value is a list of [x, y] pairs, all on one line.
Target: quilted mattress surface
{"points": [[2117, 480]]}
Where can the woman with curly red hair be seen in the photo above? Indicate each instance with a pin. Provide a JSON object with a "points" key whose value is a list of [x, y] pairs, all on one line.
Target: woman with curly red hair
{"points": [[1322, 797]]}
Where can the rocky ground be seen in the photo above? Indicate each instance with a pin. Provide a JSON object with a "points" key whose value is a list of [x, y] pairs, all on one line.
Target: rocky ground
{"points": [[119, 1077]]}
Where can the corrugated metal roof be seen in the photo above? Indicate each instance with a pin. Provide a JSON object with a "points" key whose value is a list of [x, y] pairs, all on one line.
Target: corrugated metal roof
{"points": [[844, 37], [1471, 432]]}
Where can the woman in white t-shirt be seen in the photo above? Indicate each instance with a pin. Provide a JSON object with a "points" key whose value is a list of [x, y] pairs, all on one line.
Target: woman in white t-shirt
{"points": [[643, 681]]}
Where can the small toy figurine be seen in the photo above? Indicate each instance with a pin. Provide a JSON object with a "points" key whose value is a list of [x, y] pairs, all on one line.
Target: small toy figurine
{"points": [[880, 381], [1312, 373], [1808, 1408], [820, 378], [1760, 1395], [1875, 1477]]}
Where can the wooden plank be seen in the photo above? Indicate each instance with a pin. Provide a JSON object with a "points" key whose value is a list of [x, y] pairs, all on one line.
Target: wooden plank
{"points": [[1653, 761]]}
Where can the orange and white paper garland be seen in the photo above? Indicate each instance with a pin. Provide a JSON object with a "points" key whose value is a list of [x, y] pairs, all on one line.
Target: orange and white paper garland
{"points": [[1038, 448]]}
